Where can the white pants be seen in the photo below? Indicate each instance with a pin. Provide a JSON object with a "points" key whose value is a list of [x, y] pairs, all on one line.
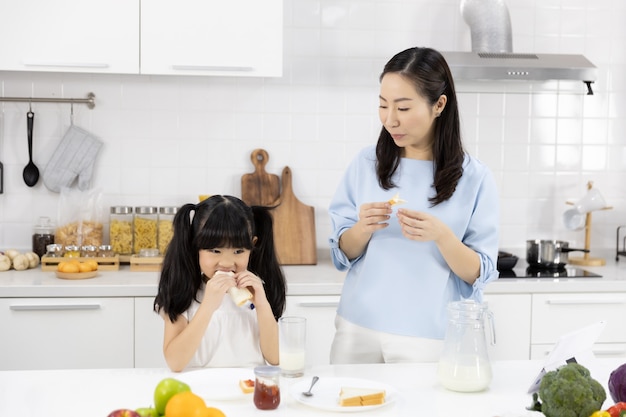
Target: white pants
{"points": [[356, 344]]}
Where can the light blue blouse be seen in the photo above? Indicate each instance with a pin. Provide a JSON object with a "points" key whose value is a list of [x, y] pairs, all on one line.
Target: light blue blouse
{"points": [[401, 286]]}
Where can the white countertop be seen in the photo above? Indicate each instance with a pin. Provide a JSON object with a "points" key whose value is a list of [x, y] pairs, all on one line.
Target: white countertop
{"points": [[320, 279], [69, 393]]}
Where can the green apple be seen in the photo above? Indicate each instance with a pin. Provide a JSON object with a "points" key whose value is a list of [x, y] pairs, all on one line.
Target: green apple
{"points": [[147, 412], [165, 390]]}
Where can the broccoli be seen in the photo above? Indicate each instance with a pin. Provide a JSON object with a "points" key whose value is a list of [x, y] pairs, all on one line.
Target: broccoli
{"points": [[569, 391]]}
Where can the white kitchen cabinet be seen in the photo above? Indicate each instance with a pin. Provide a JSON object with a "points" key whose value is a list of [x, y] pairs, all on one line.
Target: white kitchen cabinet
{"points": [[210, 37], [56, 333], [557, 314], [148, 335], [320, 312], [98, 36], [512, 321]]}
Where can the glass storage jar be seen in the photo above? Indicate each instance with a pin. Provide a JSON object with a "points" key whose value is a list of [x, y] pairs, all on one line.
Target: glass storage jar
{"points": [[121, 230], [165, 227], [43, 235], [145, 228], [71, 251], [88, 251], [267, 387], [54, 250], [105, 251]]}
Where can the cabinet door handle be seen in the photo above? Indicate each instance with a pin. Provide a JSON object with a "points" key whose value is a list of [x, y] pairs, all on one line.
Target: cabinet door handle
{"points": [[232, 68], [43, 307], [319, 304], [609, 352], [587, 301], [67, 64]]}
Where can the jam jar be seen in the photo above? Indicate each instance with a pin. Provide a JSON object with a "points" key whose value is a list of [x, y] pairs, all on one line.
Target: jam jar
{"points": [[266, 387], [43, 235]]}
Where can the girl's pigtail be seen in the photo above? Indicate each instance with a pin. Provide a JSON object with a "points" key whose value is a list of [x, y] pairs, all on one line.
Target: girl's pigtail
{"points": [[264, 261], [176, 290]]}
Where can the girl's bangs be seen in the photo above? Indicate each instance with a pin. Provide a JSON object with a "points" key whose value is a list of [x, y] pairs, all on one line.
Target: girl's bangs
{"points": [[224, 231]]}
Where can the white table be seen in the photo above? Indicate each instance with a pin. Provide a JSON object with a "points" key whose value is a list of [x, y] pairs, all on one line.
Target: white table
{"points": [[69, 393]]}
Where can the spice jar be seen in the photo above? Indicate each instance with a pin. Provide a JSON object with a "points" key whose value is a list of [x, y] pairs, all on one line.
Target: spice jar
{"points": [[266, 387], [145, 228], [165, 227], [105, 251], [88, 251], [43, 235], [54, 250], [71, 251], [121, 229]]}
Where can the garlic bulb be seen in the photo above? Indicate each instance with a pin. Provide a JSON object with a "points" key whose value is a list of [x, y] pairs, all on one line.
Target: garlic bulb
{"points": [[20, 262], [11, 253], [33, 259], [5, 263]]}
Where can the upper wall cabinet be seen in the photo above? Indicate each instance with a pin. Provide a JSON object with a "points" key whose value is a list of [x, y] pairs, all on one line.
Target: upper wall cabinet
{"points": [[183, 37], [98, 36], [210, 37]]}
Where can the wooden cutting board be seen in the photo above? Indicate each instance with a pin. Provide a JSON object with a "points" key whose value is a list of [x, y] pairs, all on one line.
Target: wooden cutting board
{"points": [[260, 188], [294, 227]]}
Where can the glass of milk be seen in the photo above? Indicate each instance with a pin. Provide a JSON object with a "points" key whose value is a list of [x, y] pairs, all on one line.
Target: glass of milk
{"points": [[292, 345]]}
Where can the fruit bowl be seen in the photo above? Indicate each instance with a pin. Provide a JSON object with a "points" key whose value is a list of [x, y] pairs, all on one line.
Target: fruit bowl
{"points": [[76, 275]]}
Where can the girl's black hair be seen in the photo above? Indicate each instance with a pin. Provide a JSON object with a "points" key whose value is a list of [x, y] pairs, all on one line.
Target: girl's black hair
{"points": [[429, 72], [219, 221]]}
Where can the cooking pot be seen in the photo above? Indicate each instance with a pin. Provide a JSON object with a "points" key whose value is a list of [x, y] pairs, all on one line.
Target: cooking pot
{"points": [[548, 254]]}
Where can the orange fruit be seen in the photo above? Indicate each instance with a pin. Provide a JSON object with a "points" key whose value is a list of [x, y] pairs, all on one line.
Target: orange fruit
{"points": [[215, 412], [70, 267], [92, 264], [186, 404], [61, 266], [84, 267]]}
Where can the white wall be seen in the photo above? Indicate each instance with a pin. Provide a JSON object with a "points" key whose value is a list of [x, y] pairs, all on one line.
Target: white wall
{"points": [[168, 139]]}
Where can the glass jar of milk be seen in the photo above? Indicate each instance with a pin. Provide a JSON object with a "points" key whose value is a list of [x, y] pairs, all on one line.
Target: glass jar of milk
{"points": [[464, 364]]}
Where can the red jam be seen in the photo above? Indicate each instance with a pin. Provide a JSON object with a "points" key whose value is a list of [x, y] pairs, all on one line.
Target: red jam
{"points": [[266, 397]]}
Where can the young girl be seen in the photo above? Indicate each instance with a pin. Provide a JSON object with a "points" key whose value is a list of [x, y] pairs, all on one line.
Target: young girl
{"points": [[219, 244]]}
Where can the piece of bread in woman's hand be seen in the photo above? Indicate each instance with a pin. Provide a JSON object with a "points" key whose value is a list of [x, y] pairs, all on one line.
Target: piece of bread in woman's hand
{"points": [[396, 200], [246, 385]]}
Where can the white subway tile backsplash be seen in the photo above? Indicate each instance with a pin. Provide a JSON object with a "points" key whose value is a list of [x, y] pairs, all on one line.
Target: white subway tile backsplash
{"points": [[169, 139]]}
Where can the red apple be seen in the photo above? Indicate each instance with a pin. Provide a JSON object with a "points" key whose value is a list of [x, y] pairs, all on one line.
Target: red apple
{"points": [[124, 412]]}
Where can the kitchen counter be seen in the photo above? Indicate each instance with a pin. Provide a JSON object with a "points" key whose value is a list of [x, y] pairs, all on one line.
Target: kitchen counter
{"points": [[68, 393], [320, 279]]}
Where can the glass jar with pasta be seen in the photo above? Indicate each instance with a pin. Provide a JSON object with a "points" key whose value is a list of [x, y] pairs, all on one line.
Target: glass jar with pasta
{"points": [[121, 230], [145, 228], [165, 227]]}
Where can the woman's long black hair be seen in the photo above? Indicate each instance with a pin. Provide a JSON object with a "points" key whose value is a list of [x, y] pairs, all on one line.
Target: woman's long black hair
{"points": [[429, 72], [219, 221]]}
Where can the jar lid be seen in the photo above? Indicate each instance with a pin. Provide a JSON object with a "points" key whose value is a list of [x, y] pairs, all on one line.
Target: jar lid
{"points": [[44, 225], [89, 248], [145, 210], [121, 210], [105, 247], [71, 247], [168, 210], [54, 247], [267, 371]]}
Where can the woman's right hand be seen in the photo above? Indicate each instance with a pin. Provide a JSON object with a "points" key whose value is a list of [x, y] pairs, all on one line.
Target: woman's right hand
{"points": [[372, 217]]}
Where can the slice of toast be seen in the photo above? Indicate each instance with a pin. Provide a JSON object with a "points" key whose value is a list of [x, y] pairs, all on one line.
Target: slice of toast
{"points": [[351, 396], [246, 385]]}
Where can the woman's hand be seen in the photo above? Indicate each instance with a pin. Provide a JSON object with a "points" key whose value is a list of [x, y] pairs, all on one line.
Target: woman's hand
{"points": [[422, 227], [373, 217]]}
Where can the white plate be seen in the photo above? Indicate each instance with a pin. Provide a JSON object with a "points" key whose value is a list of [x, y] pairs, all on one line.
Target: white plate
{"points": [[217, 384], [326, 393]]}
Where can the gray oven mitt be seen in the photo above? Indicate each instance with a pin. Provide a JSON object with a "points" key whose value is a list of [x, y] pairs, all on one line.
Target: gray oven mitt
{"points": [[74, 157]]}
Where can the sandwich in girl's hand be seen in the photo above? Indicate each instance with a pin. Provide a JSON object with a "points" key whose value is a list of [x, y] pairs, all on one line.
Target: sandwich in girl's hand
{"points": [[239, 295], [396, 200]]}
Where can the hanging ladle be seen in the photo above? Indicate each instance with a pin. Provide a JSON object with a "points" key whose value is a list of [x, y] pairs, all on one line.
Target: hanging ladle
{"points": [[31, 172]]}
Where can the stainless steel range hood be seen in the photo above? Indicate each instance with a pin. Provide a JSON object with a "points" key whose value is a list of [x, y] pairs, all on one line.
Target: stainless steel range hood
{"points": [[492, 57]]}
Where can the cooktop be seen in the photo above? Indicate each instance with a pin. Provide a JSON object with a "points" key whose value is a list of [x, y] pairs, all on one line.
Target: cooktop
{"points": [[566, 272]]}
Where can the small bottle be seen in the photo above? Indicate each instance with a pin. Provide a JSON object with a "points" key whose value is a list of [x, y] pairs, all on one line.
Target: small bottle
{"points": [[121, 229], [166, 227], [54, 250], [88, 251], [266, 387], [71, 251], [105, 251], [43, 235], [145, 228]]}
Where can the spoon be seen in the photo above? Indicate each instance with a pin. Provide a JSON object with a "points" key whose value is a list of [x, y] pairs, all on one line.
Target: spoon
{"points": [[309, 393], [31, 172]]}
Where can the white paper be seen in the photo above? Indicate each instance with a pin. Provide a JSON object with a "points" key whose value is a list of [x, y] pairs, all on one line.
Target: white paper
{"points": [[575, 345]]}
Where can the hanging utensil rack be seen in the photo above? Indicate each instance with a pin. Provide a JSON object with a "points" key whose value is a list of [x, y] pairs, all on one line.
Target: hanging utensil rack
{"points": [[90, 101]]}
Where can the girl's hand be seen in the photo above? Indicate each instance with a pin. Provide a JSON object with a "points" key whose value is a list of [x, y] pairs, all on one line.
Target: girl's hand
{"points": [[248, 279], [420, 226], [217, 287], [373, 217]]}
